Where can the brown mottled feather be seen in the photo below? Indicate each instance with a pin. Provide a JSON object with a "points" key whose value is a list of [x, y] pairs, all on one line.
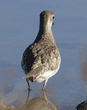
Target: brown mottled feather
{"points": [[40, 54]]}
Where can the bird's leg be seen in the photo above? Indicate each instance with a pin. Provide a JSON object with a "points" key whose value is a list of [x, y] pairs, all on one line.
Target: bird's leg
{"points": [[45, 81], [28, 85], [44, 95], [28, 96]]}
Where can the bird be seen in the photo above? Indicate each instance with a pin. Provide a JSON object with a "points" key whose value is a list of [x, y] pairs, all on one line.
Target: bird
{"points": [[41, 59]]}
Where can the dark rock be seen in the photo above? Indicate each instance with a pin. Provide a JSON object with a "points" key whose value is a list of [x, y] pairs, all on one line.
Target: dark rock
{"points": [[82, 106]]}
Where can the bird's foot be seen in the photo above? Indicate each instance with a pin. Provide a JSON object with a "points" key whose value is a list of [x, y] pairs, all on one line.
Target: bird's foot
{"points": [[29, 89], [43, 89]]}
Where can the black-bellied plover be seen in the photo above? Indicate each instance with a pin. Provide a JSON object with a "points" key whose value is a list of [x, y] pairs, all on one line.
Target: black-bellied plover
{"points": [[41, 60]]}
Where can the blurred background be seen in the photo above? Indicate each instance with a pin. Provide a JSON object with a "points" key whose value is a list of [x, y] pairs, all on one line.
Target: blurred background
{"points": [[19, 25]]}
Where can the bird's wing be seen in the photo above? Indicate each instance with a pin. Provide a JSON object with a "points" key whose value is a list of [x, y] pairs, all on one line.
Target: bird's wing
{"points": [[27, 59], [31, 57]]}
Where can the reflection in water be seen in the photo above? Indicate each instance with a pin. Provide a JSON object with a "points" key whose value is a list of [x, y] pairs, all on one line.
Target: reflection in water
{"points": [[38, 103]]}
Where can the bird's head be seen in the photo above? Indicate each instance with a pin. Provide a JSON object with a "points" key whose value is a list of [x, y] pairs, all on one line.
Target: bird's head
{"points": [[46, 18]]}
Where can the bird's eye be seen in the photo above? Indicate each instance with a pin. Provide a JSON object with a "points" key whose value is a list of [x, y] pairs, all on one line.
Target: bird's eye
{"points": [[53, 17]]}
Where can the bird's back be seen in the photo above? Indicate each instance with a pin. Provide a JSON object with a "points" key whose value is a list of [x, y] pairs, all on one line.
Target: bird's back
{"points": [[40, 53]]}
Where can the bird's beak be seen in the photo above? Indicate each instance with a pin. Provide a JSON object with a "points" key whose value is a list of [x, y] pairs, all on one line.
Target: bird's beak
{"points": [[53, 23]]}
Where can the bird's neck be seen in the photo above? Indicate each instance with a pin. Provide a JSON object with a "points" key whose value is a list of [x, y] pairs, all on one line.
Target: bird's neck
{"points": [[45, 29], [45, 32]]}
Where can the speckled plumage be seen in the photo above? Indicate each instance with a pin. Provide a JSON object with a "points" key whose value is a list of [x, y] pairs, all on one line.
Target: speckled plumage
{"points": [[41, 60]]}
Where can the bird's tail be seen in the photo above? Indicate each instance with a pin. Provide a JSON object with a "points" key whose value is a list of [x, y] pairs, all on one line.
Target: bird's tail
{"points": [[27, 76], [24, 77], [35, 72]]}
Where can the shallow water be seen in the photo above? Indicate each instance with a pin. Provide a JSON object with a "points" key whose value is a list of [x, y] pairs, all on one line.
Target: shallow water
{"points": [[19, 27]]}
